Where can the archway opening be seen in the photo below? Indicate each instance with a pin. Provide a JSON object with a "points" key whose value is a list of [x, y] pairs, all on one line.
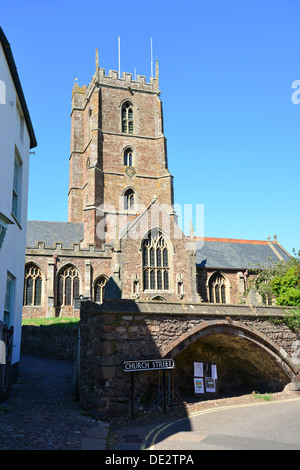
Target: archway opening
{"points": [[242, 366]]}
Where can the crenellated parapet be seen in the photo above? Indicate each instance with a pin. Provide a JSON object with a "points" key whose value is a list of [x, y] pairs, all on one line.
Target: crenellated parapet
{"points": [[126, 81], [75, 250]]}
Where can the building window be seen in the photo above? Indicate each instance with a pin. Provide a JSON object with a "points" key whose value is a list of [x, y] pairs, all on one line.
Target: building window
{"points": [[127, 118], [8, 303], [156, 268], [217, 289], [16, 193], [33, 285], [67, 286], [99, 289], [128, 157], [129, 199]]}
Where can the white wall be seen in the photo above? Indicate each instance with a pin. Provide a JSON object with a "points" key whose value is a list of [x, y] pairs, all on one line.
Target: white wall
{"points": [[12, 253]]}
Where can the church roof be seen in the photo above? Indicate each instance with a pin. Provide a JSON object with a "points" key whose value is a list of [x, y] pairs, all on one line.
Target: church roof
{"points": [[50, 232], [238, 254], [217, 253]]}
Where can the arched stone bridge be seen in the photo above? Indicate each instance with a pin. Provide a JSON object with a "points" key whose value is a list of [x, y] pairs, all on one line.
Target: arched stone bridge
{"points": [[252, 348]]}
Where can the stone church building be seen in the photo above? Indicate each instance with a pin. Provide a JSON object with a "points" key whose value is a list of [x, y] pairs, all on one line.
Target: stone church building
{"points": [[122, 239]]}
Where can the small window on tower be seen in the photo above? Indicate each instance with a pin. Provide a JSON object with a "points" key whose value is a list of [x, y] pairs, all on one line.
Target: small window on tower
{"points": [[128, 157], [127, 118], [129, 199]]}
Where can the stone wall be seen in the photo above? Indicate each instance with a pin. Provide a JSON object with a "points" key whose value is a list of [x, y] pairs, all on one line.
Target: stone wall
{"points": [[54, 341], [117, 331]]}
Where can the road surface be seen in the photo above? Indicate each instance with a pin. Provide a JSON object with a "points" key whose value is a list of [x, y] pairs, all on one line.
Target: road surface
{"points": [[260, 426]]}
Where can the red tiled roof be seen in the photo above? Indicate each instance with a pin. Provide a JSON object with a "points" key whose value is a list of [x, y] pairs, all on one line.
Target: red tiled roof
{"points": [[234, 240]]}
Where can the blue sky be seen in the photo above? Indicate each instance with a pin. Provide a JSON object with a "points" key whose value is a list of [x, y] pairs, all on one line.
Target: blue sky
{"points": [[226, 74]]}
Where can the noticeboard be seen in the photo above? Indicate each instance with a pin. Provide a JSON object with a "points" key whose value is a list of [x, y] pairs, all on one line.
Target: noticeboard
{"points": [[205, 378]]}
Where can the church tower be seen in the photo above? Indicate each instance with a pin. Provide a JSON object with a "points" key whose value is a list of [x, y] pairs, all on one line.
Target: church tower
{"points": [[118, 160]]}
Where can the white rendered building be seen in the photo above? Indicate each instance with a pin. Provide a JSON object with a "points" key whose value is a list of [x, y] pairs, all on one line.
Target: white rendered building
{"points": [[16, 139]]}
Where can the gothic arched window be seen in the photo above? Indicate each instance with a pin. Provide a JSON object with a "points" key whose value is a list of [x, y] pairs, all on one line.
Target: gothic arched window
{"points": [[128, 157], [99, 288], [129, 199], [127, 118], [156, 269], [67, 285], [32, 285], [217, 289]]}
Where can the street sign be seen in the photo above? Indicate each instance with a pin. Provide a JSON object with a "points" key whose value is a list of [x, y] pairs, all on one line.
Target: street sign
{"points": [[148, 364]]}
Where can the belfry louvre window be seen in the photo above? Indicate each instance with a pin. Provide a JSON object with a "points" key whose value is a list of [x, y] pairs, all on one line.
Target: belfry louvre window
{"points": [[99, 289], [32, 285], [127, 118], [67, 285], [217, 289], [155, 262]]}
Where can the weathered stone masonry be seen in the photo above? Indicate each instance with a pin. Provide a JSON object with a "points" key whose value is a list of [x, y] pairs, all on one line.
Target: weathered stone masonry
{"points": [[116, 331]]}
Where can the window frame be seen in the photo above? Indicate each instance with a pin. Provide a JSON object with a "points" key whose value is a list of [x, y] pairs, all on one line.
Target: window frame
{"points": [[217, 288], [9, 299], [62, 283], [156, 262], [36, 276], [127, 118], [128, 156], [129, 196], [17, 186], [104, 280]]}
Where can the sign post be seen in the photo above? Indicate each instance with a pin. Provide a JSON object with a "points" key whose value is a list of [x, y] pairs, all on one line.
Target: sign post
{"points": [[132, 394], [144, 365]]}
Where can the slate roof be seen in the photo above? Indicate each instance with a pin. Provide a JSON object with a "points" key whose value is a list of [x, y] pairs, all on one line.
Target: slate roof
{"points": [[237, 254], [50, 232], [215, 253]]}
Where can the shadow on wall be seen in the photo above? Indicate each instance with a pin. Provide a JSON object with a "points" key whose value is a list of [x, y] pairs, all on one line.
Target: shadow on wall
{"points": [[124, 330], [110, 334]]}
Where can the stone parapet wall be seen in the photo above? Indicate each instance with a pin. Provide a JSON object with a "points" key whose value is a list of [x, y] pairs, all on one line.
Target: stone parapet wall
{"points": [[53, 341], [117, 331]]}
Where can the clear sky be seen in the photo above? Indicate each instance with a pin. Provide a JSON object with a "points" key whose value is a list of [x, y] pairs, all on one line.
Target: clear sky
{"points": [[226, 74]]}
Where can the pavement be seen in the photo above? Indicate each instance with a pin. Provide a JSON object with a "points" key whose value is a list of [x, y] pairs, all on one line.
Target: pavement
{"points": [[41, 412]]}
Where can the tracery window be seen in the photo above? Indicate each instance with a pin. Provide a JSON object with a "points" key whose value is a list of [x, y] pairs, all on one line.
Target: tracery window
{"points": [[129, 199], [127, 118], [67, 285], [32, 285], [99, 288], [128, 157], [217, 289], [156, 270]]}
